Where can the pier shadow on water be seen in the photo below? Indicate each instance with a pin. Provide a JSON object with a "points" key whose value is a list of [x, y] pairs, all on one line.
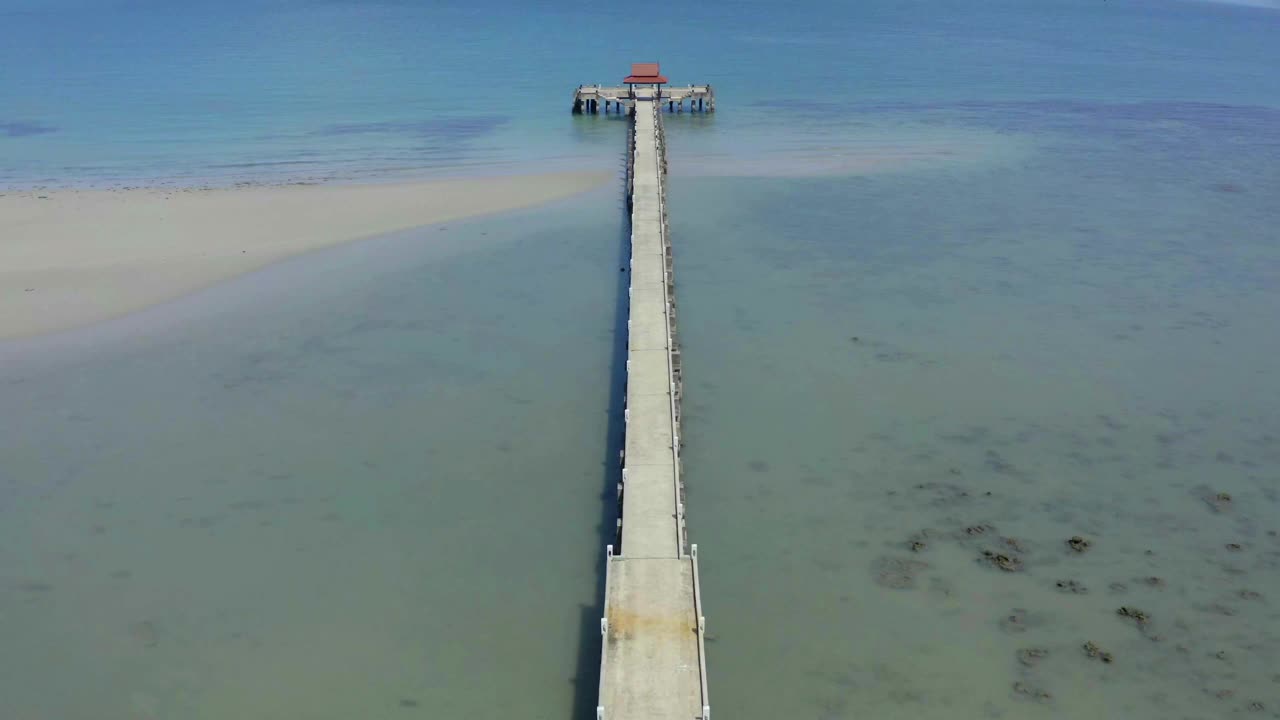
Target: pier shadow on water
{"points": [[586, 675]]}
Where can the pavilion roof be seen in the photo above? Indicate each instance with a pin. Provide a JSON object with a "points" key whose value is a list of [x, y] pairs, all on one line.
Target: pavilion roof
{"points": [[645, 74]]}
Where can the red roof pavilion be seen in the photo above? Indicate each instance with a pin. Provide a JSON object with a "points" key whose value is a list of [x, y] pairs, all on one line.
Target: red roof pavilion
{"points": [[644, 74]]}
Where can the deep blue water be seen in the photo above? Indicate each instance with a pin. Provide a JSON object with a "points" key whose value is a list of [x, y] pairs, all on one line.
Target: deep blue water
{"points": [[107, 92], [975, 276]]}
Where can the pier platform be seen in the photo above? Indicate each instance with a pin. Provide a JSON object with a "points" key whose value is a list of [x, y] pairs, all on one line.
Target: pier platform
{"points": [[618, 98]]}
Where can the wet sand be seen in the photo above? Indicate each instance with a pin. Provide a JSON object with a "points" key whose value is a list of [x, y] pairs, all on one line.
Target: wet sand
{"points": [[70, 258]]}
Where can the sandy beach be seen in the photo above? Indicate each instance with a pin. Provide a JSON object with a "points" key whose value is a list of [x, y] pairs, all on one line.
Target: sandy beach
{"points": [[70, 258]]}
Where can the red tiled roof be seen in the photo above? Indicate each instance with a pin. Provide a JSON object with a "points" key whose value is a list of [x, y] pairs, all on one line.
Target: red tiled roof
{"points": [[644, 74]]}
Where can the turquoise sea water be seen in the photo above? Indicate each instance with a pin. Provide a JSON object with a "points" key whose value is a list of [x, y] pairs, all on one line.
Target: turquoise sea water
{"points": [[980, 277], [124, 91]]}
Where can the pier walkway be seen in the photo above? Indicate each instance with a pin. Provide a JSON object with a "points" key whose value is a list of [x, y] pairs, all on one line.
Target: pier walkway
{"points": [[653, 660]]}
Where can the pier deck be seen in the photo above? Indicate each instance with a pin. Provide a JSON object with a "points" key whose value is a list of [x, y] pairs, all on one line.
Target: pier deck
{"points": [[653, 660], [589, 98]]}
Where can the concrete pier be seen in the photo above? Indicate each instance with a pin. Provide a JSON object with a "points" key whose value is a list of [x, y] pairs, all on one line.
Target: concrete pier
{"points": [[653, 659]]}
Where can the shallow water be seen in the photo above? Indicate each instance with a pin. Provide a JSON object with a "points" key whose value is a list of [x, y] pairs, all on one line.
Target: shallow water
{"points": [[1035, 350], [368, 482]]}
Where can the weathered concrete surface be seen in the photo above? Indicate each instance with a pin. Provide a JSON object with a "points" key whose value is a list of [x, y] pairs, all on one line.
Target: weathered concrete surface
{"points": [[650, 511], [648, 321], [651, 645]]}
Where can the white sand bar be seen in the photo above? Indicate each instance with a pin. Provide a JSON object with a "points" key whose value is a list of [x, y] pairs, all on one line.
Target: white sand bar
{"points": [[70, 258]]}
